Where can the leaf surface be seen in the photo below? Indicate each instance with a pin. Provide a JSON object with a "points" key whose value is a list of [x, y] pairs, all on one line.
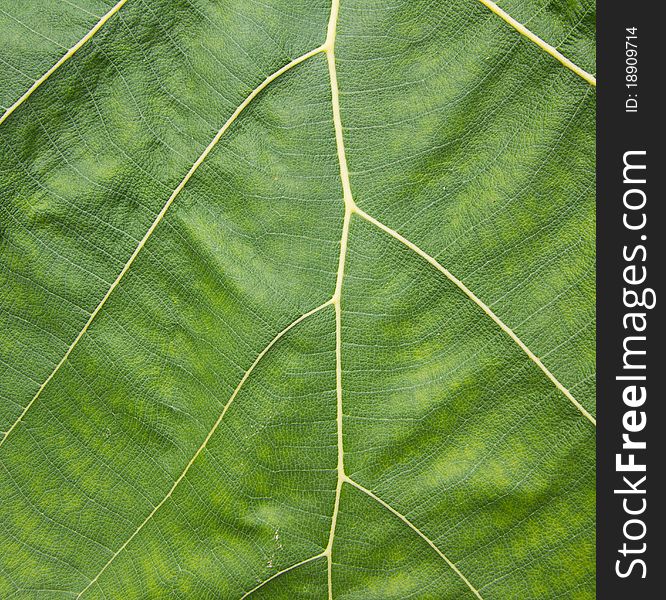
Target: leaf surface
{"points": [[297, 300]]}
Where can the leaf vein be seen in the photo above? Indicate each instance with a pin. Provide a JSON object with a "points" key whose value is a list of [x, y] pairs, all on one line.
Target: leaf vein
{"points": [[481, 305], [545, 46], [63, 59], [157, 221], [206, 440], [413, 527]]}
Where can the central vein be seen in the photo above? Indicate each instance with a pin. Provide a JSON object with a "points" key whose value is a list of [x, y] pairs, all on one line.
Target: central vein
{"points": [[329, 48]]}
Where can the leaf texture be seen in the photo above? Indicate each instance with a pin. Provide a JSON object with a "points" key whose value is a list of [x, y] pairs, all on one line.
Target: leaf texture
{"points": [[297, 299]]}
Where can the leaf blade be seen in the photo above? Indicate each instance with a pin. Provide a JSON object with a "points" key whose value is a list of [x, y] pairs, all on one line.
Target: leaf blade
{"points": [[383, 409]]}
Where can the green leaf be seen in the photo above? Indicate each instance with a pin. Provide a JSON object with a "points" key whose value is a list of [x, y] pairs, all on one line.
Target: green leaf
{"points": [[297, 299]]}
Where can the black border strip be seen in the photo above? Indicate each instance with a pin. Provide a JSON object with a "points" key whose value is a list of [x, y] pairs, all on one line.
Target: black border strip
{"points": [[618, 132]]}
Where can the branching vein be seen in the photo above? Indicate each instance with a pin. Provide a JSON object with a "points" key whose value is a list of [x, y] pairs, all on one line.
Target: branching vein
{"points": [[157, 221], [65, 57], [282, 572], [483, 307], [591, 79], [205, 442], [413, 527]]}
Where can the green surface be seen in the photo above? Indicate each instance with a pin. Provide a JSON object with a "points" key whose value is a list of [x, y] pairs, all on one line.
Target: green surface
{"points": [[172, 417]]}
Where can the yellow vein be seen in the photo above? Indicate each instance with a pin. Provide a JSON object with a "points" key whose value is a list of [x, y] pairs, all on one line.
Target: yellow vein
{"points": [[329, 46], [413, 527], [157, 220], [539, 42], [291, 568], [207, 439], [483, 307], [62, 60], [328, 552]]}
